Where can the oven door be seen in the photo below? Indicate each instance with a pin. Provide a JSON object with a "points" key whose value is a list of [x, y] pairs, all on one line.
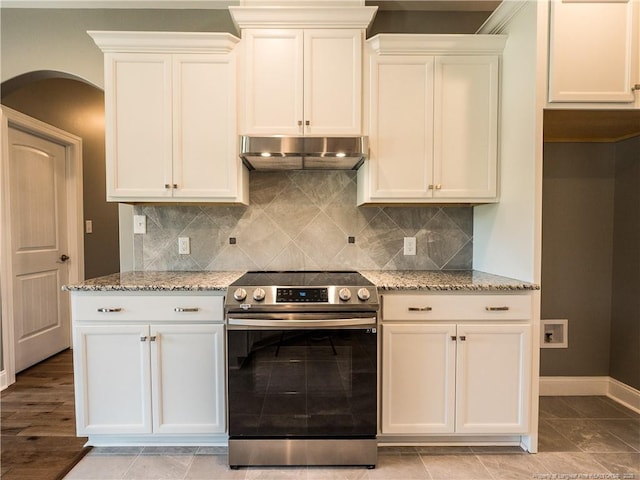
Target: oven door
{"points": [[308, 376]]}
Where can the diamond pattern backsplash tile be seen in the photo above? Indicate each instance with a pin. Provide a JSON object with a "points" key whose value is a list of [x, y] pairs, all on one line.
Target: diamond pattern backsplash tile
{"points": [[301, 220]]}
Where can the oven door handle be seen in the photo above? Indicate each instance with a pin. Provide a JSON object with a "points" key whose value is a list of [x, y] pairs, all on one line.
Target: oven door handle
{"points": [[283, 324]]}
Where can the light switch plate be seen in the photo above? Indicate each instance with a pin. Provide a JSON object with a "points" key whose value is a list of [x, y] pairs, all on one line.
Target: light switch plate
{"points": [[409, 245], [184, 246], [140, 224]]}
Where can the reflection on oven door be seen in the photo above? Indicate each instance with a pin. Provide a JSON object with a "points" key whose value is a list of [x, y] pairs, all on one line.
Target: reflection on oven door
{"points": [[302, 383]]}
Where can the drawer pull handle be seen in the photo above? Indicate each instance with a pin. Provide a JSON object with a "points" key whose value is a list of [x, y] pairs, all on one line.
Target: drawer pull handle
{"points": [[186, 309], [420, 309], [497, 309], [109, 309]]}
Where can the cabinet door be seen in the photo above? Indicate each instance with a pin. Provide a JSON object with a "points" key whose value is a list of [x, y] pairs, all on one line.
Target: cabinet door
{"points": [[493, 375], [138, 125], [593, 51], [205, 161], [333, 81], [273, 96], [401, 127], [187, 359], [465, 127], [113, 389], [418, 378]]}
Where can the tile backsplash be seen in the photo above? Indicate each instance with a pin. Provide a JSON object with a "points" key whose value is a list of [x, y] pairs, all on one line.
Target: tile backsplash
{"points": [[301, 220]]}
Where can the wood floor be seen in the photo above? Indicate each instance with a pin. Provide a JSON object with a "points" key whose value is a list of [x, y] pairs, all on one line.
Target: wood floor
{"points": [[38, 422]]}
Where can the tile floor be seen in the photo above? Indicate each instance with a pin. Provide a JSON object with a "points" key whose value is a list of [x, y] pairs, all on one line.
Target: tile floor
{"points": [[580, 438]]}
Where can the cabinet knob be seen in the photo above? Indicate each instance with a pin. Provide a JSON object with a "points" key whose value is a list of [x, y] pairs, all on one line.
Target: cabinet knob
{"points": [[299, 123], [307, 123], [636, 86], [175, 185], [167, 186], [453, 337], [152, 338], [463, 338], [430, 187], [438, 186], [143, 339]]}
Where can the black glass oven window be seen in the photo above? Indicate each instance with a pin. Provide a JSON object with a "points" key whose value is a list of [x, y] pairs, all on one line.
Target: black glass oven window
{"points": [[302, 383]]}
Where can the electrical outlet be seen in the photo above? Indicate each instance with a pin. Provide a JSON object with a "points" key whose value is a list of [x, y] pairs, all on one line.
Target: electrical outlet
{"points": [[140, 224], [184, 246], [409, 245]]}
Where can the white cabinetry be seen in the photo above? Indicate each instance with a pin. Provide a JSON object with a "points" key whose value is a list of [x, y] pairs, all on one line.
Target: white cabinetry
{"points": [[441, 376], [149, 364], [594, 53], [302, 81], [433, 119], [170, 106]]}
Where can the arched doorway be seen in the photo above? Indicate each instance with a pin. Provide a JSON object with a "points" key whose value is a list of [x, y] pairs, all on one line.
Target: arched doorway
{"points": [[69, 103]]}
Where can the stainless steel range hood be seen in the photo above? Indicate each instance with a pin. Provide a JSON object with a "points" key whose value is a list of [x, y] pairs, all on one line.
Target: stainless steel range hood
{"points": [[303, 153]]}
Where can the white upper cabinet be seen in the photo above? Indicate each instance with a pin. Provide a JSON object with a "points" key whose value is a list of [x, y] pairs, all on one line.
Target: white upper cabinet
{"points": [[594, 54], [170, 106], [302, 68], [433, 119], [302, 82]]}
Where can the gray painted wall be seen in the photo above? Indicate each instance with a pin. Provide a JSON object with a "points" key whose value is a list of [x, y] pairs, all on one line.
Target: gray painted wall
{"points": [[588, 257], [78, 108], [56, 39], [625, 300]]}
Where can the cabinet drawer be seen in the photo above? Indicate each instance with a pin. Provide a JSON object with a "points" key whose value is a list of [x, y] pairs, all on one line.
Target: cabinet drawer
{"points": [[147, 307], [456, 307]]}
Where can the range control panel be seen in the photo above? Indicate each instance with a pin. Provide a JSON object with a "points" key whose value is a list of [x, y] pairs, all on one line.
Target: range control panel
{"points": [[315, 295]]}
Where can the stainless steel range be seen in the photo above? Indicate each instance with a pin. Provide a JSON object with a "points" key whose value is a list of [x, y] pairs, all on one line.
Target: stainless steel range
{"points": [[302, 369]]}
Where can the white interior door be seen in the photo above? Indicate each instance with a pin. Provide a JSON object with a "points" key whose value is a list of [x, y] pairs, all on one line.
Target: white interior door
{"points": [[39, 247]]}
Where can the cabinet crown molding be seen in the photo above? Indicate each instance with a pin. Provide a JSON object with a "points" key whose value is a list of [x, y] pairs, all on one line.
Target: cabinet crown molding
{"points": [[302, 17], [164, 42], [437, 44]]}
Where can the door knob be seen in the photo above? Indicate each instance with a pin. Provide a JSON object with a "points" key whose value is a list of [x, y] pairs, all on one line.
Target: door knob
{"points": [[64, 258]]}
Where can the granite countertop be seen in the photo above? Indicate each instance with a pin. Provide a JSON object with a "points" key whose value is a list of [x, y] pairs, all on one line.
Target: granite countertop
{"points": [[452, 280], [158, 281], [385, 280]]}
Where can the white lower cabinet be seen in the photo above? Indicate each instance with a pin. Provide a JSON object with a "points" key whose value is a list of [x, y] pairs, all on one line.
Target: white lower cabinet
{"points": [[454, 378], [418, 378], [148, 378]]}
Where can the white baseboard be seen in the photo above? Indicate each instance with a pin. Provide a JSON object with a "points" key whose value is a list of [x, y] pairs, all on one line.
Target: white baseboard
{"points": [[624, 394], [580, 386], [3, 380]]}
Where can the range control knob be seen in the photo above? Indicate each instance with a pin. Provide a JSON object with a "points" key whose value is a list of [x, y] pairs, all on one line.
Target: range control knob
{"points": [[344, 294], [259, 294], [240, 294], [364, 294]]}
